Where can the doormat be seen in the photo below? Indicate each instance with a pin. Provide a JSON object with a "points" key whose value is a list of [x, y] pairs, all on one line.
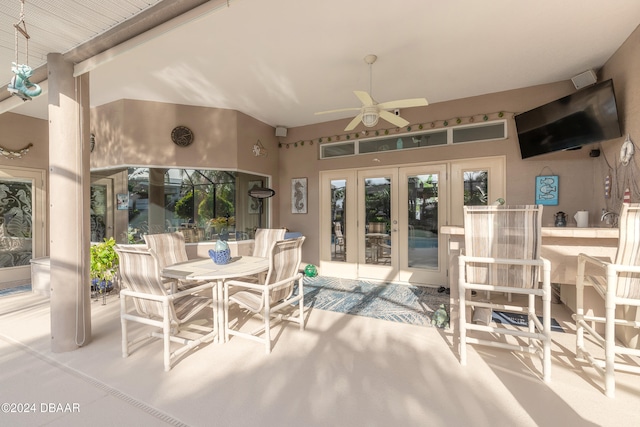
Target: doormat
{"points": [[519, 319]]}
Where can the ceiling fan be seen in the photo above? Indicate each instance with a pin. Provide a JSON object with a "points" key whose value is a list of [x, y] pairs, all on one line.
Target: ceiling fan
{"points": [[371, 111]]}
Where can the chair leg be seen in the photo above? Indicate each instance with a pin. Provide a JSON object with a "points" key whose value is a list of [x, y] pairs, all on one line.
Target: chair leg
{"points": [[609, 348], [530, 314], [462, 316], [579, 317], [546, 324], [301, 311], [123, 322], [166, 332], [267, 326]]}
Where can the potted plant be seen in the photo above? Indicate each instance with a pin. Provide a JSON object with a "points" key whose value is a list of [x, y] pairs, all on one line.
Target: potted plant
{"points": [[104, 264]]}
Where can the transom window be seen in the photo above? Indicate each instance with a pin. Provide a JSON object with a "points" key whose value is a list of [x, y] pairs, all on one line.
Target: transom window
{"points": [[454, 135]]}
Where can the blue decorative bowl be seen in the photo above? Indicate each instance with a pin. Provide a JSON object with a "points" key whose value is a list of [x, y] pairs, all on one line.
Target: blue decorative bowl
{"points": [[220, 257]]}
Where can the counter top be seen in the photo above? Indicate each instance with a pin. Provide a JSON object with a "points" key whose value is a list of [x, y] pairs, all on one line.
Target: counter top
{"points": [[572, 232]]}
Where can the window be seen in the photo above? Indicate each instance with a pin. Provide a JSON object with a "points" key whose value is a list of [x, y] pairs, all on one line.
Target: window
{"points": [[483, 132], [205, 205], [337, 150], [458, 134]]}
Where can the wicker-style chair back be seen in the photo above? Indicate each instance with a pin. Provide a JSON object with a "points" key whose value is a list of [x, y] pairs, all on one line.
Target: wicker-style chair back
{"points": [[264, 238], [285, 258], [628, 285], [503, 232], [139, 272], [169, 248]]}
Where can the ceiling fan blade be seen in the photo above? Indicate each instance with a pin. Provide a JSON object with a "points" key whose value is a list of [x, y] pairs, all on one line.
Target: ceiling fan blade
{"points": [[353, 123], [393, 119], [404, 103], [364, 97], [339, 110]]}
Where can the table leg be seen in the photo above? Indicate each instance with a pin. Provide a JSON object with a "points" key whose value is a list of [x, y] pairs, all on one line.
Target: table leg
{"points": [[222, 312]]}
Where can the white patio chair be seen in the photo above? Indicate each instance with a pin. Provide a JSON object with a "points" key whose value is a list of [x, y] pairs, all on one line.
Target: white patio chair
{"points": [[502, 253], [338, 239], [171, 313], [618, 283], [169, 249], [273, 298], [264, 238]]}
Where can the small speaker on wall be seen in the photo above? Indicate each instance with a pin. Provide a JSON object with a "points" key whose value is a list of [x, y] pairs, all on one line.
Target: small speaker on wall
{"points": [[584, 79], [281, 131]]}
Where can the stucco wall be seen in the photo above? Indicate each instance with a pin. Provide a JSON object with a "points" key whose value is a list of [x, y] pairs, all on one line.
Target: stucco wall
{"points": [[623, 68], [574, 168], [16, 132], [139, 133]]}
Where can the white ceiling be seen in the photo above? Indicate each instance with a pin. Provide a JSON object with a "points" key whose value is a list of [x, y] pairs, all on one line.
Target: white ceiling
{"points": [[282, 60]]}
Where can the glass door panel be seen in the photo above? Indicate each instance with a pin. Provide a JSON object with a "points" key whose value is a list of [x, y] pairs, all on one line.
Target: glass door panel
{"points": [[338, 225], [423, 192], [476, 182], [22, 215], [98, 210], [15, 223], [378, 224]]}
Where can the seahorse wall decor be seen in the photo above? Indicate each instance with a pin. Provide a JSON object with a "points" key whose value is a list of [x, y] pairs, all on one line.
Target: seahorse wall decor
{"points": [[20, 84], [299, 196]]}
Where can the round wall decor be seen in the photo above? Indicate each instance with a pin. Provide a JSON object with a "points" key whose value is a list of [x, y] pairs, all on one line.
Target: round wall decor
{"points": [[182, 136]]}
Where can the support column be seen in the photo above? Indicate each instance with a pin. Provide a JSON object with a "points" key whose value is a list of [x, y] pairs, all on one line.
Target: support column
{"points": [[69, 224]]}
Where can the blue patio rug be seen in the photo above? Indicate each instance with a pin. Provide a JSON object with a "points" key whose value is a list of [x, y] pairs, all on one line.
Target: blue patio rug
{"points": [[386, 301]]}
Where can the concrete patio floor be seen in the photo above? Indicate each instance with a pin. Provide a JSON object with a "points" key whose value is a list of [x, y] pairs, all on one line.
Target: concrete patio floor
{"points": [[341, 371]]}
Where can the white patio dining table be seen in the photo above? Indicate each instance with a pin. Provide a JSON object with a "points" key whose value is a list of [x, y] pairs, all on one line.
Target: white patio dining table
{"points": [[205, 270]]}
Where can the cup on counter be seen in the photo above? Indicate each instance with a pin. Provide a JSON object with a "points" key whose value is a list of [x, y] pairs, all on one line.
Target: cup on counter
{"points": [[582, 219]]}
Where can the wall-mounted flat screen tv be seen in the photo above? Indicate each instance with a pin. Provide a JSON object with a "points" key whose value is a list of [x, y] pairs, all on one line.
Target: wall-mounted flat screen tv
{"points": [[588, 116]]}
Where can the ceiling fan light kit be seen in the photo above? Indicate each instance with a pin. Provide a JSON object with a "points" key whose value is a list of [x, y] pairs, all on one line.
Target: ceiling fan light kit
{"points": [[371, 111], [370, 117]]}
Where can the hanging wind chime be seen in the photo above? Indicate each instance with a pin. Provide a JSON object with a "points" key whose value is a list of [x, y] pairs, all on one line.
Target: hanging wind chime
{"points": [[20, 84]]}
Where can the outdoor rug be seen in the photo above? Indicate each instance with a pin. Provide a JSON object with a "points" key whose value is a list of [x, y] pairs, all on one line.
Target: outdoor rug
{"points": [[519, 319], [387, 301]]}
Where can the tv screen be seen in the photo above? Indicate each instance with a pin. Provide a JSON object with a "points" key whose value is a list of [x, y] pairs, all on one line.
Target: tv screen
{"points": [[585, 117]]}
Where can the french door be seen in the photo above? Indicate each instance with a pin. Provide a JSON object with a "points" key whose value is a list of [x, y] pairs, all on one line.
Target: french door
{"points": [[384, 224], [22, 220]]}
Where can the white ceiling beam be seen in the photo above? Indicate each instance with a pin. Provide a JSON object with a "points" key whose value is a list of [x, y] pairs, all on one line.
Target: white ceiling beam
{"points": [[187, 17]]}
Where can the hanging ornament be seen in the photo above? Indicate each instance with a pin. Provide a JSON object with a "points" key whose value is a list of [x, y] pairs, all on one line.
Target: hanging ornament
{"points": [[607, 187], [10, 154], [627, 196], [20, 85]]}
